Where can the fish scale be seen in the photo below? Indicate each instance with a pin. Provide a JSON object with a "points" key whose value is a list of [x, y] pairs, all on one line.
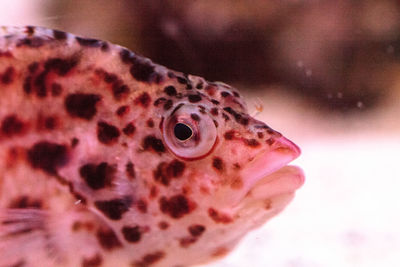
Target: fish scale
{"points": [[108, 159]]}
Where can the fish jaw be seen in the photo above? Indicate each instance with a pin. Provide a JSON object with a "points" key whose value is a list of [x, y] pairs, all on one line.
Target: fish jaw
{"points": [[268, 173]]}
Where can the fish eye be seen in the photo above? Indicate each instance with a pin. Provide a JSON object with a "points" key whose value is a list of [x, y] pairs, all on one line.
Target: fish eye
{"points": [[188, 133], [183, 131]]}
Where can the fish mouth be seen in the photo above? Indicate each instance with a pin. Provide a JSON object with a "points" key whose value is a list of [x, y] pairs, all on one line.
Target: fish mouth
{"points": [[268, 174]]}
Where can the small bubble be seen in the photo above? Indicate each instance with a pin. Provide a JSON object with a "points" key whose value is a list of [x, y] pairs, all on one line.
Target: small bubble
{"points": [[308, 72], [360, 104], [300, 64]]}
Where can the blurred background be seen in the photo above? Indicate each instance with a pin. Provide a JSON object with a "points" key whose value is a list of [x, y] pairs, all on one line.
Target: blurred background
{"points": [[328, 76]]}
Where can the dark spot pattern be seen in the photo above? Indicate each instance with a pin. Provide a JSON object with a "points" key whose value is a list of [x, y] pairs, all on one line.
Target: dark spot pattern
{"points": [[168, 104], [109, 77], [238, 117], [219, 217], [143, 71], [33, 42], [130, 170], [129, 129], [132, 234], [59, 35], [215, 123], [141, 205], [24, 202], [122, 110], [153, 143], [126, 55], [82, 105], [202, 109], [12, 125], [195, 117], [229, 135], [163, 225], [97, 176], [194, 98], [74, 142], [94, 261], [144, 100], [8, 75], [187, 241], [149, 259], [251, 142], [29, 30], [159, 101], [48, 156], [114, 208], [89, 42], [27, 85], [108, 239], [170, 90], [120, 91], [164, 172], [60, 66], [181, 80], [40, 84], [214, 111], [50, 122], [177, 206], [225, 94], [215, 102], [196, 230], [150, 123], [107, 133], [218, 164], [32, 68]]}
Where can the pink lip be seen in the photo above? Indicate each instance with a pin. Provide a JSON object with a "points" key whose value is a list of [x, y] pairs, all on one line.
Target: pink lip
{"points": [[279, 155]]}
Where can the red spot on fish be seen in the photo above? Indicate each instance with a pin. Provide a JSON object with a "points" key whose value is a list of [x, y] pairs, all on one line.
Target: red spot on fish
{"points": [[12, 125], [219, 217], [8, 76], [149, 259], [144, 100], [176, 206], [108, 239]]}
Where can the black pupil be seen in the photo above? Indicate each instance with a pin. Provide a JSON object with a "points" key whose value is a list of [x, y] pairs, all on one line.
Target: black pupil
{"points": [[182, 131]]}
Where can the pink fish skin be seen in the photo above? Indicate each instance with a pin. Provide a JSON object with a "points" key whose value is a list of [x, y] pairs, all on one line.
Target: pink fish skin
{"points": [[108, 159]]}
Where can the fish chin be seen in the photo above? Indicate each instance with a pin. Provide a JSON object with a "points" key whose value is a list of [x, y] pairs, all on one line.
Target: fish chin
{"points": [[286, 180]]}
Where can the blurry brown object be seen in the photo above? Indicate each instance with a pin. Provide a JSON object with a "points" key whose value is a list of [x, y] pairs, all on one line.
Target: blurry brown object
{"points": [[337, 54]]}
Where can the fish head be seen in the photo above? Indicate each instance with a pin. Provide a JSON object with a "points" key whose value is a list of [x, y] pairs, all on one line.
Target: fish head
{"points": [[236, 175]]}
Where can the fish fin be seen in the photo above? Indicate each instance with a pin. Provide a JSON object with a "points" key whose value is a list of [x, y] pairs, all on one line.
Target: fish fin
{"points": [[22, 232], [47, 238]]}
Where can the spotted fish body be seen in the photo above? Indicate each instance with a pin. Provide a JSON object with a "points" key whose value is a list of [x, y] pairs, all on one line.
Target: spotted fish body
{"points": [[107, 159]]}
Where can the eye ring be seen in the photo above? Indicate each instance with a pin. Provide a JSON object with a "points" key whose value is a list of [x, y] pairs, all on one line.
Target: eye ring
{"points": [[183, 131], [189, 133]]}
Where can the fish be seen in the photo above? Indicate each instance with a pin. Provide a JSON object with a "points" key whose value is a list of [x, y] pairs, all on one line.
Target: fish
{"points": [[108, 159]]}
